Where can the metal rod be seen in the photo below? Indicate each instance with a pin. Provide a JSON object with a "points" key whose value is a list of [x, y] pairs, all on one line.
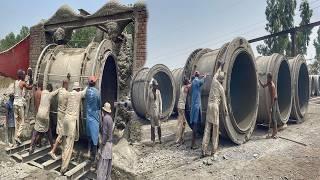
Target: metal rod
{"points": [[293, 141]]}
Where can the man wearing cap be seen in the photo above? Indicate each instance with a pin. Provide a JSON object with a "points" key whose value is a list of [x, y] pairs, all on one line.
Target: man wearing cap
{"points": [[216, 97], [19, 103], [195, 113], [41, 125], [105, 152], [71, 124], [93, 116], [62, 106], [154, 103]]}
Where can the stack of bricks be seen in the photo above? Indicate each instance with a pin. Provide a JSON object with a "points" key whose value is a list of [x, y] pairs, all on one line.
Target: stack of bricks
{"points": [[140, 39], [37, 43]]}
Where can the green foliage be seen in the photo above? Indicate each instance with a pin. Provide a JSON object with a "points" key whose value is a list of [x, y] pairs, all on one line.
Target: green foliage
{"points": [[82, 37], [11, 39], [303, 36], [314, 68], [279, 14]]}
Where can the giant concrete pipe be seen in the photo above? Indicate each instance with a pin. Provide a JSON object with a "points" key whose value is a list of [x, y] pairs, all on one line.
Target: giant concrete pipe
{"points": [[317, 85], [241, 86], [56, 61], [178, 79], [140, 87], [279, 67], [300, 79]]}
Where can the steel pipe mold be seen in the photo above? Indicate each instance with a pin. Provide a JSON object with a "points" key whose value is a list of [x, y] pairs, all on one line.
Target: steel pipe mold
{"points": [[279, 67], [178, 80], [56, 61], [241, 86], [300, 79], [140, 88]]}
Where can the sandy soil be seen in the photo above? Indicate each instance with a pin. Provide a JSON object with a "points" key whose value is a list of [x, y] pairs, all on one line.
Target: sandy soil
{"points": [[259, 158]]}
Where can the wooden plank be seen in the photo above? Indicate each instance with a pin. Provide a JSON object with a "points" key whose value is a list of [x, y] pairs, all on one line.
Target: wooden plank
{"points": [[24, 145], [52, 163], [36, 154], [33, 163], [78, 171]]}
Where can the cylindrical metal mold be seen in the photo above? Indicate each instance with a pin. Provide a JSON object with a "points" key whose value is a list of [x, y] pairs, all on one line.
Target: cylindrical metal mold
{"points": [[279, 67], [178, 80], [140, 87], [56, 61], [300, 79], [240, 85]]}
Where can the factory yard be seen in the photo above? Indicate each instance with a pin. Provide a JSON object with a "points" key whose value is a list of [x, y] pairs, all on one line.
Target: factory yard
{"points": [[259, 158]]}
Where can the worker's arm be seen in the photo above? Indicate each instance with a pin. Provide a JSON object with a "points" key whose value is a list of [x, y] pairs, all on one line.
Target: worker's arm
{"points": [[217, 73], [83, 92], [24, 84], [55, 92], [224, 101]]}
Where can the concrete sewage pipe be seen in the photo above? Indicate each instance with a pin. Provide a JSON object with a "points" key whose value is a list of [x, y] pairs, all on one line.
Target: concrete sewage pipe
{"points": [[300, 80], [140, 88], [56, 61], [279, 67], [241, 86], [178, 80]]}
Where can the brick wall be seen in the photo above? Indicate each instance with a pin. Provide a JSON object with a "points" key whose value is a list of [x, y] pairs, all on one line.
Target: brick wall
{"points": [[37, 43], [140, 41]]}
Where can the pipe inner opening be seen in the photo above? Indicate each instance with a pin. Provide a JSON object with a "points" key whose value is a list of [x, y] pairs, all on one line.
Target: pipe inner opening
{"points": [[166, 90], [243, 90], [303, 87], [109, 83], [284, 89]]}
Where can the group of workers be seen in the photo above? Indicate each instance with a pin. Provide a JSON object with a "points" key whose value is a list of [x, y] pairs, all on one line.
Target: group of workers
{"points": [[216, 100], [67, 129]]}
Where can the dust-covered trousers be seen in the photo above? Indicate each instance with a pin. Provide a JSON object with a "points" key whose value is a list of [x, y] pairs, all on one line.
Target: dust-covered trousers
{"points": [[212, 124], [10, 131], [181, 124], [274, 113], [68, 143], [19, 120], [104, 169]]}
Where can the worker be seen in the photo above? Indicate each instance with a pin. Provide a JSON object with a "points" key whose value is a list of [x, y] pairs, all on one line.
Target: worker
{"points": [[37, 97], [216, 97], [19, 103], [105, 151], [195, 113], [273, 103], [62, 106], [10, 127], [71, 124], [181, 113], [42, 118], [93, 117], [154, 103], [28, 95]]}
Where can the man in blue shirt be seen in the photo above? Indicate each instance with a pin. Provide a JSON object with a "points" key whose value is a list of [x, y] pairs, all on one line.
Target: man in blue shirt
{"points": [[10, 120], [93, 116], [195, 113]]}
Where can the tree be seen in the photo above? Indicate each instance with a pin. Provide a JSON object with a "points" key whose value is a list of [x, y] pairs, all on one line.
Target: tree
{"points": [[11, 39], [82, 37], [279, 14], [315, 66], [303, 36]]}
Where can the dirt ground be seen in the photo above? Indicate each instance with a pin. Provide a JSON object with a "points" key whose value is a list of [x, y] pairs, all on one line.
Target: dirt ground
{"points": [[259, 158]]}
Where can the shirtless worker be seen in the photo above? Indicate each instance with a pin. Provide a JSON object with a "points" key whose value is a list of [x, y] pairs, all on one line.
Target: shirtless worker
{"points": [[42, 118], [273, 102], [216, 97], [71, 124], [62, 106], [19, 103]]}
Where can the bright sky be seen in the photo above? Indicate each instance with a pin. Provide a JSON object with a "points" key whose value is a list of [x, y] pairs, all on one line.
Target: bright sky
{"points": [[175, 27]]}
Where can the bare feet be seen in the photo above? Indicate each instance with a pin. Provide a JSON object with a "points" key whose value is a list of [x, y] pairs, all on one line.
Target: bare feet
{"points": [[53, 156]]}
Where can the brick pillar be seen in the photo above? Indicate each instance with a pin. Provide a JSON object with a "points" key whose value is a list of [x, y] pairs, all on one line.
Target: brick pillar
{"points": [[140, 37], [37, 43]]}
